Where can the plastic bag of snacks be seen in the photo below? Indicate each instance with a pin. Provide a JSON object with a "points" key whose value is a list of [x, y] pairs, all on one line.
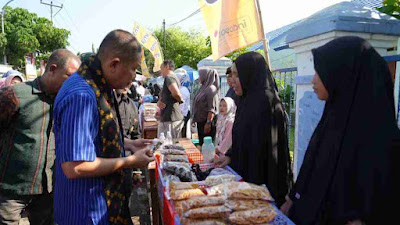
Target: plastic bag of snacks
{"points": [[177, 147], [203, 222], [240, 205], [253, 216], [175, 158], [208, 212], [219, 179], [185, 194], [183, 171], [182, 185], [197, 202], [241, 190], [172, 152]]}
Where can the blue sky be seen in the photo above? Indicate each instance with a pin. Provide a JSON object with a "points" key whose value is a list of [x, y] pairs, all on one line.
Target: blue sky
{"points": [[90, 20]]}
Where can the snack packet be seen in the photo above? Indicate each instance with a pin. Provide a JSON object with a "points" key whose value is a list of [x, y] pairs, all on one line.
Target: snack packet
{"points": [[198, 202], [208, 212], [185, 194], [219, 179], [253, 216]]}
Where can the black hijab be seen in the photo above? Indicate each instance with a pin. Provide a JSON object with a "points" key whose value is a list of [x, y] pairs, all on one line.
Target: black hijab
{"points": [[260, 146], [347, 170]]}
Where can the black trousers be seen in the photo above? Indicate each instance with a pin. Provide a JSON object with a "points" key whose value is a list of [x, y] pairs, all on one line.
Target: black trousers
{"points": [[200, 132], [185, 120]]}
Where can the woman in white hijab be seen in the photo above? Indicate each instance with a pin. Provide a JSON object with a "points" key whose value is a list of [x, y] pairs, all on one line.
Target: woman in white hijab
{"points": [[226, 118]]}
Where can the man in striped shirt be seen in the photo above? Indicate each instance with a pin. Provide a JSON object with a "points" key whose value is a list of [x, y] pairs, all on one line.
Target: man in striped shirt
{"points": [[27, 142], [81, 178]]}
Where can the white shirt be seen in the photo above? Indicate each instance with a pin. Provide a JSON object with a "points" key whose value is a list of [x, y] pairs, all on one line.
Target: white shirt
{"points": [[185, 107]]}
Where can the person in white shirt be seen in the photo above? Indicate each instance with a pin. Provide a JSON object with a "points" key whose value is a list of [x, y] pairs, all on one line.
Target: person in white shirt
{"points": [[185, 107], [140, 89]]}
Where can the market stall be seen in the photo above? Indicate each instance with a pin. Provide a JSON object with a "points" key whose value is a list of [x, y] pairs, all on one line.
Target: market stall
{"points": [[190, 192]]}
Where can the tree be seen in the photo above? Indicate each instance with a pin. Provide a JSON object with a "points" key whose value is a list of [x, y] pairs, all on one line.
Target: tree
{"points": [[184, 47], [233, 55], [25, 32], [391, 7]]}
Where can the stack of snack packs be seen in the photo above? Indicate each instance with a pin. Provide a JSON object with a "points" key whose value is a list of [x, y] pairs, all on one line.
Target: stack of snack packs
{"points": [[194, 207], [249, 203]]}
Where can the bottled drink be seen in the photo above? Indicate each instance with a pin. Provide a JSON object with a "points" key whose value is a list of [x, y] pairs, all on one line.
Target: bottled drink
{"points": [[162, 137], [208, 150], [169, 138]]}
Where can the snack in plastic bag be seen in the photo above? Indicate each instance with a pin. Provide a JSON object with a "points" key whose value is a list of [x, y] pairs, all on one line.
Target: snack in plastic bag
{"points": [[240, 205], [182, 185], [197, 202], [254, 216], [183, 171], [172, 152], [241, 190], [203, 222], [219, 171], [185, 194], [176, 158], [171, 177], [177, 147], [208, 212], [219, 179]]}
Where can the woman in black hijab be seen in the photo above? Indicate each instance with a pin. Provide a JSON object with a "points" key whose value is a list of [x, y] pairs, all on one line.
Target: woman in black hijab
{"points": [[260, 151], [347, 173]]}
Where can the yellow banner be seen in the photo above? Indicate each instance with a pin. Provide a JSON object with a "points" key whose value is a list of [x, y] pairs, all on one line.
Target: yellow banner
{"points": [[143, 65], [231, 24], [150, 42]]}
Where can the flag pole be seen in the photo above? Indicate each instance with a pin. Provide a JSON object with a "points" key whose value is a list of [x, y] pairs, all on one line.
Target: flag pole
{"points": [[264, 40]]}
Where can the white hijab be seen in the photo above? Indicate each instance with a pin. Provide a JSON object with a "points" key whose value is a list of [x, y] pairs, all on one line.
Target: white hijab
{"points": [[223, 119]]}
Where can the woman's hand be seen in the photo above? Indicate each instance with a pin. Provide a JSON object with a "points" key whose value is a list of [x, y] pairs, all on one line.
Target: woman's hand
{"points": [[207, 128], [286, 206], [161, 105], [222, 161]]}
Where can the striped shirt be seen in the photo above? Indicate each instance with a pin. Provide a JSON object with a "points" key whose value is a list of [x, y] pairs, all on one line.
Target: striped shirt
{"points": [[76, 128]]}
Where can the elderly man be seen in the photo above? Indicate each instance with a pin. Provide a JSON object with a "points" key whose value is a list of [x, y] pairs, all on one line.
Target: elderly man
{"points": [[90, 163], [27, 142]]}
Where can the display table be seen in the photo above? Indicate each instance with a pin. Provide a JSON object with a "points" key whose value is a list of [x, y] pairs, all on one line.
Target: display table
{"points": [[163, 208]]}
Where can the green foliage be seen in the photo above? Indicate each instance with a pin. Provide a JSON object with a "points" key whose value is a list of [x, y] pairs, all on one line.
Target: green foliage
{"points": [[184, 47], [232, 56], [26, 32], [391, 7]]}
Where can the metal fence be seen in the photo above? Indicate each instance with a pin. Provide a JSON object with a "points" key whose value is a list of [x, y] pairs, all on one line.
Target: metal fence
{"points": [[287, 90]]}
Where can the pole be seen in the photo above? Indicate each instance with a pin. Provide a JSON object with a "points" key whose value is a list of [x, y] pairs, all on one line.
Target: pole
{"points": [[265, 41], [2, 30], [51, 8], [165, 36]]}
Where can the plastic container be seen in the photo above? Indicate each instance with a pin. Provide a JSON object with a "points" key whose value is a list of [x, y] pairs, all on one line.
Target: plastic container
{"points": [[208, 150], [169, 138], [162, 138]]}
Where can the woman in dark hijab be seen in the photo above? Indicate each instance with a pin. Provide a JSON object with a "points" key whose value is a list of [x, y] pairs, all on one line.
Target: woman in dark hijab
{"points": [[260, 151], [347, 173], [205, 103]]}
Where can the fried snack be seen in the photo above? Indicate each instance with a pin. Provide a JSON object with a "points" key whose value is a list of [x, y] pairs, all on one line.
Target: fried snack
{"points": [[176, 158], [219, 179], [182, 185], [254, 216], [240, 205], [197, 202], [177, 147], [208, 212], [203, 222], [243, 190], [185, 194], [172, 152], [183, 171]]}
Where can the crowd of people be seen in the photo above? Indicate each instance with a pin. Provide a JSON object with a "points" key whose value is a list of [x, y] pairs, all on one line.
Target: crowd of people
{"points": [[71, 138]]}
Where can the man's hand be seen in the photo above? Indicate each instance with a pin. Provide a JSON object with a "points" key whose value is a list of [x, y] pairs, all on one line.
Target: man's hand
{"points": [[136, 145], [222, 161], [140, 159], [161, 105], [207, 128]]}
